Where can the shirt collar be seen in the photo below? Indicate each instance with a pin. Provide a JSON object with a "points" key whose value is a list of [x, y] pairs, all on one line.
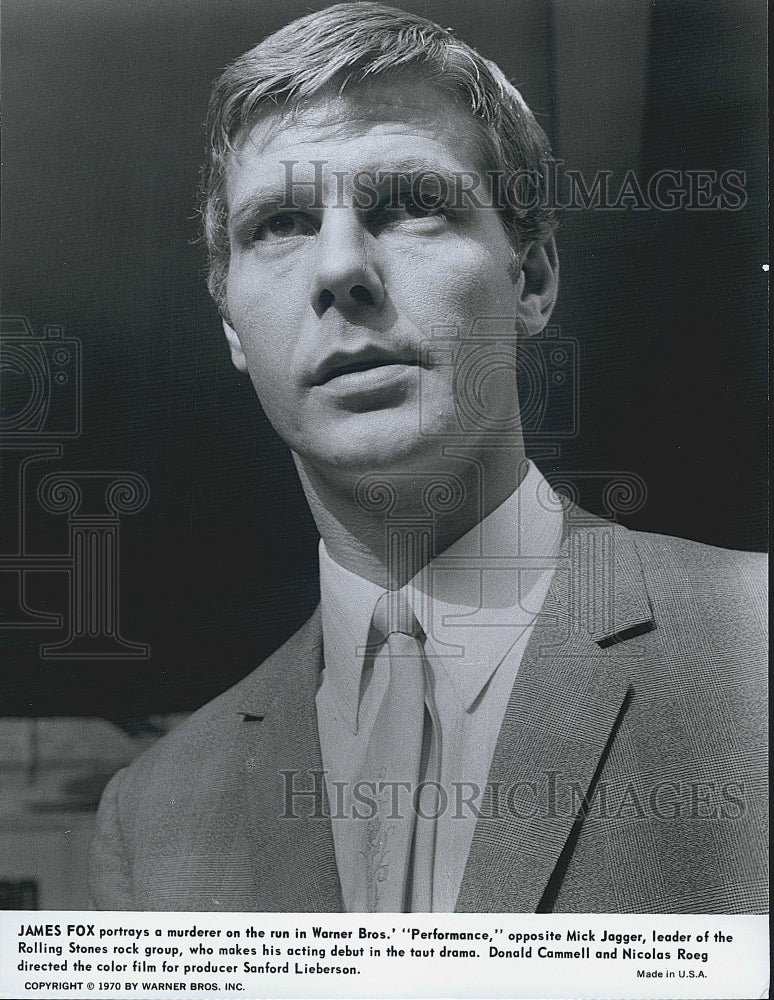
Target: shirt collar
{"points": [[348, 603], [472, 601]]}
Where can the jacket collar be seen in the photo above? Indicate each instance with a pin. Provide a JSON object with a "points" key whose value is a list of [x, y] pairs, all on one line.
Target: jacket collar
{"points": [[569, 697], [291, 837]]}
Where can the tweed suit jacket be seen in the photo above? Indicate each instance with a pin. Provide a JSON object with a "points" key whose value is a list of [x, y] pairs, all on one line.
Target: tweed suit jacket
{"points": [[629, 774]]}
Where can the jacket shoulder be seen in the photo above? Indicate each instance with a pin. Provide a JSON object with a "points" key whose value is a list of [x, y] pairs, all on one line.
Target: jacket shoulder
{"points": [[211, 732], [698, 552], [710, 610], [676, 563]]}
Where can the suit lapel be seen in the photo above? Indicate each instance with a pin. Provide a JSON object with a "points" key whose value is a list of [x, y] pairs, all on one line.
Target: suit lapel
{"points": [[290, 829], [562, 716]]}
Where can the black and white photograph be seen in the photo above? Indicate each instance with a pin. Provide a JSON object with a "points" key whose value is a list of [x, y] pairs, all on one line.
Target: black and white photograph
{"points": [[384, 462]]}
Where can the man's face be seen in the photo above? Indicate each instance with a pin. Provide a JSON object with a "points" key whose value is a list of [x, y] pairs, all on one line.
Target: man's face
{"points": [[332, 294]]}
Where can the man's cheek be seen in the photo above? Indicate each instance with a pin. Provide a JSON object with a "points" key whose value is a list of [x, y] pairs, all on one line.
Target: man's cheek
{"points": [[444, 296], [280, 412], [265, 377], [469, 286]]}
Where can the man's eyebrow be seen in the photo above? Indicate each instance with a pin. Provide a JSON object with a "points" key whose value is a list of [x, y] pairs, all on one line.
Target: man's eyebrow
{"points": [[412, 166], [259, 202]]}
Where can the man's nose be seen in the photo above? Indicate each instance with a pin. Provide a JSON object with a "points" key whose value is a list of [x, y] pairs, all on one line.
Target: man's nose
{"points": [[346, 276]]}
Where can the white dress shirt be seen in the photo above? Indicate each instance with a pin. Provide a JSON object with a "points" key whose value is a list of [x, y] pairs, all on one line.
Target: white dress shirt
{"points": [[477, 603]]}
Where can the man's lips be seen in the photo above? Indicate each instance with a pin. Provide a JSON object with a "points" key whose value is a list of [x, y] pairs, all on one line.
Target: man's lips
{"points": [[343, 363]]}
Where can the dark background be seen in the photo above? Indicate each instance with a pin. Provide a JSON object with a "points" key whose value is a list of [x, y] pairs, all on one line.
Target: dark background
{"points": [[104, 104]]}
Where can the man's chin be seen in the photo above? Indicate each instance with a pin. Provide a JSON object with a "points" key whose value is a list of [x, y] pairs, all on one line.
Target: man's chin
{"points": [[366, 457], [349, 459]]}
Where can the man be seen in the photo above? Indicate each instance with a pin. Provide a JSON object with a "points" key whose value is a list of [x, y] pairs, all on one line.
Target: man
{"points": [[503, 703]]}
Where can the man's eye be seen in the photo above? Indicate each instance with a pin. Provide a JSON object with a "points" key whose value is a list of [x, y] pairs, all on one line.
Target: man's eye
{"points": [[284, 225], [408, 207], [420, 209]]}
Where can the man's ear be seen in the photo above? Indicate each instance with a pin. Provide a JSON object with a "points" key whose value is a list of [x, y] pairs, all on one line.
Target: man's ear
{"points": [[537, 285], [237, 354]]}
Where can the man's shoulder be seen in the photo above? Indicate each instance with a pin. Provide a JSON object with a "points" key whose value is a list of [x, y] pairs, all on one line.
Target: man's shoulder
{"points": [[670, 561], [670, 567], [177, 758], [211, 732], [693, 550], [698, 594], [706, 601]]}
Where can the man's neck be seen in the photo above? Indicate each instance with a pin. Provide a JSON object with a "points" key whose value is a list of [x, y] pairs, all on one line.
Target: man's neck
{"points": [[386, 527]]}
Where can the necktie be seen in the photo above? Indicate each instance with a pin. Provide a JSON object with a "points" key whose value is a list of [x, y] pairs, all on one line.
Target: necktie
{"points": [[393, 762], [428, 805]]}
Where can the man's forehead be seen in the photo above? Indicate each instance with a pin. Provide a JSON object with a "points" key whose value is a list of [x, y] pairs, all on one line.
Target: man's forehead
{"points": [[383, 107]]}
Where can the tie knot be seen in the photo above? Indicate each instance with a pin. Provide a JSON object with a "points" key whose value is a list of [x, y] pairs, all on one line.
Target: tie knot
{"points": [[393, 614]]}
